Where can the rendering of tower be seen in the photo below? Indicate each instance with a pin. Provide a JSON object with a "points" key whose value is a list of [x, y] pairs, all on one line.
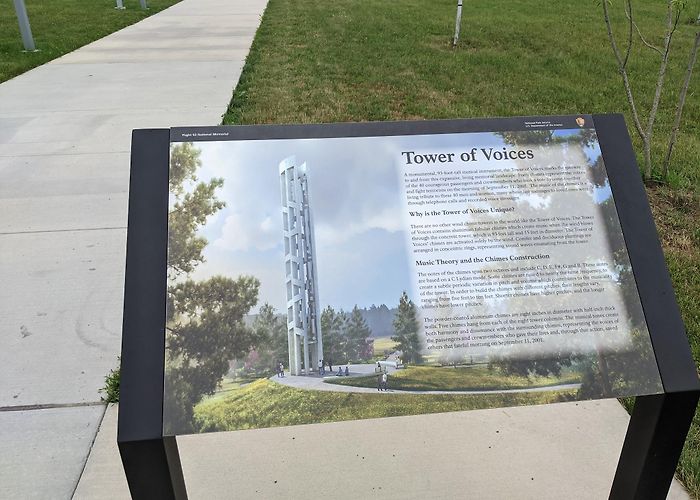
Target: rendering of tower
{"points": [[303, 316]]}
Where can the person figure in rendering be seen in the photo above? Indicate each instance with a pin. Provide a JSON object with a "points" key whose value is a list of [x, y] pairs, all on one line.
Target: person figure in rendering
{"points": [[385, 379], [340, 372], [380, 381], [347, 372], [280, 370]]}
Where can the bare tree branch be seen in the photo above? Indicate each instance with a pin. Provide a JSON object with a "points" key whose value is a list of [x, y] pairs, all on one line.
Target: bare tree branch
{"points": [[681, 102], [639, 32], [608, 26], [628, 13], [623, 73], [671, 25]]}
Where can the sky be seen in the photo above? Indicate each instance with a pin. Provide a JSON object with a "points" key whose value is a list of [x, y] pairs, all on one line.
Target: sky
{"points": [[356, 196], [357, 203]]}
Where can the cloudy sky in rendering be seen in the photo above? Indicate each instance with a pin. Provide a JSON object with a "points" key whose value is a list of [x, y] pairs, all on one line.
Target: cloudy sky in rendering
{"points": [[357, 203]]}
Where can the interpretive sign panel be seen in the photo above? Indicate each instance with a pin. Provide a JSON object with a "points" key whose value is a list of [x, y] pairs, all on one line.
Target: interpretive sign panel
{"points": [[423, 272], [282, 275]]}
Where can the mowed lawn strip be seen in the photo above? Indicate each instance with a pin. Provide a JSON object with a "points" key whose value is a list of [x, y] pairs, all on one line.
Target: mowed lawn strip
{"points": [[61, 26], [426, 378], [368, 60], [383, 346], [268, 404]]}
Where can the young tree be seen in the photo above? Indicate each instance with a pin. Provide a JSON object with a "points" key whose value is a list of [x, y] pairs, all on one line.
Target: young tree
{"points": [[356, 333], [681, 101], [271, 331], [406, 331], [204, 324], [205, 331], [645, 129], [343, 345], [194, 202], [332, 330]]}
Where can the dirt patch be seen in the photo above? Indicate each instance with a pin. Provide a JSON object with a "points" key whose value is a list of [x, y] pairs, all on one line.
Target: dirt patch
{"points": [[677, 218]]}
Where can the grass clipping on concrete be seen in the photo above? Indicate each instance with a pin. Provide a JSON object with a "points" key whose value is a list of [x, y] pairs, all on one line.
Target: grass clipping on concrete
{"points": [[265, 403]]}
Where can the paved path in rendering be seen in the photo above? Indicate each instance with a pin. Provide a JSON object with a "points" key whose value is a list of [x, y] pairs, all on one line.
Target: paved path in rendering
{"points": [[324, 383], [65, 131]]}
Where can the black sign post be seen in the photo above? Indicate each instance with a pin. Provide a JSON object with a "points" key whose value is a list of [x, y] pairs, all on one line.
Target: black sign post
{"points": [[151, 461], [659, 423]]}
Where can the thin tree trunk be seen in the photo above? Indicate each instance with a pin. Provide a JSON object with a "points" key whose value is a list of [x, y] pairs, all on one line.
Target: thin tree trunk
{"points": [[621, 67], [604, 374], [647, 158], [670, 29], [681, 102]]}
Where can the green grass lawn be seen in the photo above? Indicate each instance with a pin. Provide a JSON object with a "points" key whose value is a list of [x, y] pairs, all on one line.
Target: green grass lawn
{"points": [[61, 26], [382, 60], [267, 404], [427, 378], [228, 385], [382, 345]]}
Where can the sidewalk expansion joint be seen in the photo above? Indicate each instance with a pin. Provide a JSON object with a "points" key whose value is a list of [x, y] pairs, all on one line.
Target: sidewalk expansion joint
{"points": [[51, 406], [63, 230], [87, 457]]}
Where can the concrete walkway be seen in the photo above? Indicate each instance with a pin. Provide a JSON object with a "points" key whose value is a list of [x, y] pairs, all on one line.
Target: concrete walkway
{"points": [[325, 383], [65, 131], [560, 451]]}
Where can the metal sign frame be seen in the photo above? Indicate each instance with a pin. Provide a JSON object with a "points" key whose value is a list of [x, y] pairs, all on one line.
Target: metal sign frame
{"points": [[659, 423]]}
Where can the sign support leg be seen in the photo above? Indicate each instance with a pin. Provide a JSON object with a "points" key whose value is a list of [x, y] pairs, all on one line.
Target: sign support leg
{"points": [[153, 469], [653, 445], [177, 480]]}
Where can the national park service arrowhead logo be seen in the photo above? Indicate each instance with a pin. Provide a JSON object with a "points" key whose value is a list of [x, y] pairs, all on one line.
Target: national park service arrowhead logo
{"points": [[580, 121]]}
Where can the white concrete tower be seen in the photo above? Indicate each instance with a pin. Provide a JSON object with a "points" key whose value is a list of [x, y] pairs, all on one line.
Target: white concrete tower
{"points": [[303, 314]]}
